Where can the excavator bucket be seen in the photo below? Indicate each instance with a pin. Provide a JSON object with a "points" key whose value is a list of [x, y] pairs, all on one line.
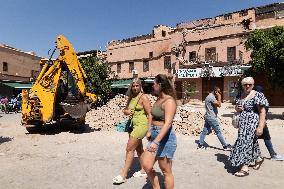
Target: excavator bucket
{"points": [[76, 111]]}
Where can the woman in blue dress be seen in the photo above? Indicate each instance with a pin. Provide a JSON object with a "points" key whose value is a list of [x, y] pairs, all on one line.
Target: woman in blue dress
{"points": [[246, 150]]}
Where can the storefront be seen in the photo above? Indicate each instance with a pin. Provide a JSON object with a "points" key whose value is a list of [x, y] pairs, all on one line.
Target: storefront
{"points": [[198, 82], [13, 88]]}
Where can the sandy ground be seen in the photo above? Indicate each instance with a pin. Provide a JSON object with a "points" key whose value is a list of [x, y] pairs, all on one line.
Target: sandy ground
{"points": [[63, 158]]}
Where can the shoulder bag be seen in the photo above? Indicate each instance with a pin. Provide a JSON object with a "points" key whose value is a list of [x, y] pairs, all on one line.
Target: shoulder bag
{"points": [[127, 125], [236, 116]]}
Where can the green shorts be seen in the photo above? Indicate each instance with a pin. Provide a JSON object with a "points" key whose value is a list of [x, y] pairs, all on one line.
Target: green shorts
{"points": [[139, 131]]}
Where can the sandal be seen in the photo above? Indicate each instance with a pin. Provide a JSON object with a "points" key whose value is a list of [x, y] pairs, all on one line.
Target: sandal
{"points": [[258, 164], [118, 180], [241, 173], [139, 174]]}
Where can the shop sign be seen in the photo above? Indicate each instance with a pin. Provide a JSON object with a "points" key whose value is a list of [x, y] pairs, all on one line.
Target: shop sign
{"points": [[188, 73], [212, 71]]}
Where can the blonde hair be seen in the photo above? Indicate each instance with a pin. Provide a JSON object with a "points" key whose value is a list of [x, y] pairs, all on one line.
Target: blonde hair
{"points": [[129, 90], [247, 80]]}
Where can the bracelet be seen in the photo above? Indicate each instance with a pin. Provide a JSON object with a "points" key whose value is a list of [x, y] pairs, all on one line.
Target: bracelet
{"points": [[157, 143]]}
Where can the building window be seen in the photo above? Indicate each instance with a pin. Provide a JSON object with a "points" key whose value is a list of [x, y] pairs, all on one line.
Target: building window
{"points": [[5, 66], [210, 54], [243, 13], [145, 66], [231, 54], [192, 56], [118, 69], [151, 54], [228, 17], [167, 62], [164, 33], [241, 56], [131, 67], [110, 53]]}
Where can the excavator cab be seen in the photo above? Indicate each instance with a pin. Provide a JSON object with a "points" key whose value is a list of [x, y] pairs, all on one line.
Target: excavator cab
{"points": [[59, 92]]}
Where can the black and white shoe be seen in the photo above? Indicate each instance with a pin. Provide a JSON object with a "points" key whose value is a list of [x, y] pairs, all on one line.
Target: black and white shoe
{"points": [[228, 147], [201, 146]]}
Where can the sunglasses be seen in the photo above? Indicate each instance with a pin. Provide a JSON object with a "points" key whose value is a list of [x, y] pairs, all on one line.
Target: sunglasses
{"points": [[247, 84]]}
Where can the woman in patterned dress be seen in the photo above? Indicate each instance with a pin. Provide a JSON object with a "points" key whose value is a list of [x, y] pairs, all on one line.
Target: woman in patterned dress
{"points": [[246, 149]]}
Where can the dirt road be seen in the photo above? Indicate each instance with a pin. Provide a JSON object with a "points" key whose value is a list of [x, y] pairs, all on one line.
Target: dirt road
{"points": [[60, 158]]}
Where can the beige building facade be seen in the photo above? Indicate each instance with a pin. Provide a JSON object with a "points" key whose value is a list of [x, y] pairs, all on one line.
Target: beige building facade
{"points": [[200, 53], [17, 69]]}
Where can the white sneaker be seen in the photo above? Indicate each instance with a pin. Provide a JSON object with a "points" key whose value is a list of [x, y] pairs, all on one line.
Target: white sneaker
{"points": [[118, 180], [277, 158], [139, 174]]}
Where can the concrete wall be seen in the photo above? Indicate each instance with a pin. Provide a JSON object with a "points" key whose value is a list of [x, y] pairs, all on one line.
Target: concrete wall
{"points": [[137, 49], [236, 17], [269, 22], [20, 64]]}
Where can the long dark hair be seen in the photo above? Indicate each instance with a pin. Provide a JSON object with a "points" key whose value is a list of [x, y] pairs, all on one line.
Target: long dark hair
{"points": [[166, 85]]}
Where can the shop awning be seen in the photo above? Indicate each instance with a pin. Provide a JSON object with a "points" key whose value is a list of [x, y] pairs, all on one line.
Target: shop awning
{"points": [[149, 80], [122, 84], [16, 85]]}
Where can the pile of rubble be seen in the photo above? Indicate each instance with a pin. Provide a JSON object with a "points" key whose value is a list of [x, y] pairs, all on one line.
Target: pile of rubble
{"points": [[107, 116], [188, 121]]}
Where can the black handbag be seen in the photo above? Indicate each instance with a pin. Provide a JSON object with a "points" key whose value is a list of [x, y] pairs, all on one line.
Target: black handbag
{"points": [[129, 123], [129, 126]]}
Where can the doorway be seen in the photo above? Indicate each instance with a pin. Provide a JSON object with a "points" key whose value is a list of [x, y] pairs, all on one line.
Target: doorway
{"points": [[209, 83]]}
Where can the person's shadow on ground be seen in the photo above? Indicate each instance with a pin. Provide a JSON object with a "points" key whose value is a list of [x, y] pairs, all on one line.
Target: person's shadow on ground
{"points": [[271, 116], [54, 129], [227, 164], [161, 181], [5, 139], [206, 145], [136, 167]]}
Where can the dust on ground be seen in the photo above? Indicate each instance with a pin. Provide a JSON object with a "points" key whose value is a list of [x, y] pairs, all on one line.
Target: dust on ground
{"points": [[68, 158]]}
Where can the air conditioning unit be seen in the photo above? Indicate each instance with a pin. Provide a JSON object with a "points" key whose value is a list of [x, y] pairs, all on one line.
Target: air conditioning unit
{"points": [[134, 72]]}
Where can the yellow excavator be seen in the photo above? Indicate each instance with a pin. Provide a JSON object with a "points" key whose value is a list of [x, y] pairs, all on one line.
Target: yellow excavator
{"points": [[59, 92]]}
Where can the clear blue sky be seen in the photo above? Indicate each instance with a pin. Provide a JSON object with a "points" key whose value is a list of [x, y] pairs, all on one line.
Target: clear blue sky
{"points": [[32, 25]]}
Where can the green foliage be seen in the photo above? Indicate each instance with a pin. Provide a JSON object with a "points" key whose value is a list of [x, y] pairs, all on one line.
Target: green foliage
{"points": [[189, 88], [267, 54], [99, 75]]}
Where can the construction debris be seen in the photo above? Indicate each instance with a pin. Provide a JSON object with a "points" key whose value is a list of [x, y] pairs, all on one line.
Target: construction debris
{"points": [[188, 120]]}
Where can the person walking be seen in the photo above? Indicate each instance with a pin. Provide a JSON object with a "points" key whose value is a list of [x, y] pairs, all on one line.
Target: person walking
{"points": [[162, 139], [212, 102], [266, 135], [251, 123], [4, 102], [139, 107]]}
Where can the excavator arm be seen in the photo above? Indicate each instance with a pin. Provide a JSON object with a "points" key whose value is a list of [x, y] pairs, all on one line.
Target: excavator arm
{"points": [[68, 55], [38, 106]]}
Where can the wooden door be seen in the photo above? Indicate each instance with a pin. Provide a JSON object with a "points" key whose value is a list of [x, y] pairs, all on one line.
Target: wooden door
{"points": [[178, 88], [208, 84]]}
